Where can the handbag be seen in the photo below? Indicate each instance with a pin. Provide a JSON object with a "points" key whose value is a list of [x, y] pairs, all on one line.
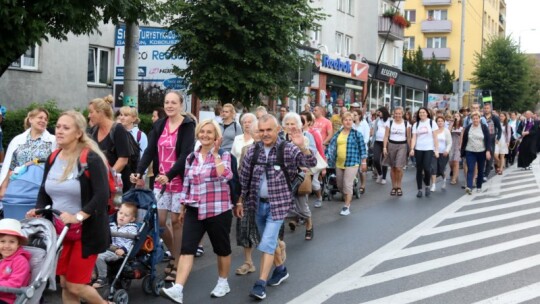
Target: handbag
{"points": [[305, 186], [321, 164], [74, 232]]}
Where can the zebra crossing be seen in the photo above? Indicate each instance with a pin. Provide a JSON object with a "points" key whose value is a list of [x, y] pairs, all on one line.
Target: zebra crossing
{"points": [[482, 248]]}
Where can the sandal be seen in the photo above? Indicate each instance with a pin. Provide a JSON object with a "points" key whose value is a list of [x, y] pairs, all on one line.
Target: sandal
{"points": [[362, 190], [453, 182], [245, 268], [399, 192], [100, 283], [200, 251], [309, 234], [393, 192]]}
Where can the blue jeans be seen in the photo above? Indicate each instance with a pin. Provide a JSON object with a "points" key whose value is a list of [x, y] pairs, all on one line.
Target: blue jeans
{"points": [[268, 228], [474, 158]]}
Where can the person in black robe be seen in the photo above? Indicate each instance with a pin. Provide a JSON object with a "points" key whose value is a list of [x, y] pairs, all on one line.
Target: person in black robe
{"points": [[528, 131]]}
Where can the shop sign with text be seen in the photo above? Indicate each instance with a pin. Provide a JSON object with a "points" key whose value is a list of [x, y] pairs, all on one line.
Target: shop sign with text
{"points": [[341, 66]]}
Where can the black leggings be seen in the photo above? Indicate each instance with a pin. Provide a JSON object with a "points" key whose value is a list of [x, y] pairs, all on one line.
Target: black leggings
{"points": [[423, 166], [378, 158]]}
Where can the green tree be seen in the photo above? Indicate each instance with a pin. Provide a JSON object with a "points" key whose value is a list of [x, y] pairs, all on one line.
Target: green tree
{"points": [[502, 69], [26, 23], [238, 49], [440, 78], [413, 62]]}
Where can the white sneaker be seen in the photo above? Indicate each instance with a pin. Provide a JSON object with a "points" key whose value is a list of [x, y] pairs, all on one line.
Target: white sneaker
{"points": [[383, 181], [173, 293], [345, 211], [443, 183], [379, 179], [220, 290], [433, 188]]}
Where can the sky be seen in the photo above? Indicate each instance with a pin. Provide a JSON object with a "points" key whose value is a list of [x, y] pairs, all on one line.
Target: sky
{"points": [[522, 16]]}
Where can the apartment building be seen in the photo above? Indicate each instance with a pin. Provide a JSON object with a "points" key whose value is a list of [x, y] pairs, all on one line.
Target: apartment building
{"points": [[436, 29]]}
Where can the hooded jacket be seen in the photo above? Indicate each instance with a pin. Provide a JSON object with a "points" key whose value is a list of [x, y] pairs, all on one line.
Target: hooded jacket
{"points": [[14, 273]]}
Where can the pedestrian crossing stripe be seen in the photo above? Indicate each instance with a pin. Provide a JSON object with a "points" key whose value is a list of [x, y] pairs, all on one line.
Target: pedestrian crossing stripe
{"points": [[360, 274]]}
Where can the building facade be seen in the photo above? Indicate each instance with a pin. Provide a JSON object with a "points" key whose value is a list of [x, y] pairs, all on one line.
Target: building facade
{"points": [[436, 29]]}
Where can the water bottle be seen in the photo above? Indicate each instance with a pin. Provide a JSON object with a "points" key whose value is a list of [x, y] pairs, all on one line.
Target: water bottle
{"points": [[119, 186]]}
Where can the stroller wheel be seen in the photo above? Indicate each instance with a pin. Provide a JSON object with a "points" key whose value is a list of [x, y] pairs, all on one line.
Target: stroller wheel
{"points": [[121, 297], [157, 284], [147, 285]]}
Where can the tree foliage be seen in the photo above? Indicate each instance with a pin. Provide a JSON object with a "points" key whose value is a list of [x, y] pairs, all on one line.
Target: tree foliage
{"points": [[26, 23], [502, 69], [238, 49], [440, 78]]}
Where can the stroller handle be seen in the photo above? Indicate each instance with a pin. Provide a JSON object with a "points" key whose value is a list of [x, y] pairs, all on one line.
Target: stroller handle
{"points": [[48, 210]]}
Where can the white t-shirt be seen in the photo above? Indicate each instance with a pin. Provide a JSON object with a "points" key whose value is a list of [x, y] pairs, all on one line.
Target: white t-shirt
{"points": [[381, 129], [397, 131], [424, 135]]}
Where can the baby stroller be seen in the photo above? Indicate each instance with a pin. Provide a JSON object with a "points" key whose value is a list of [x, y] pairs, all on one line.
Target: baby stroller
{"points": [[44, 246], [329, 185], [23, 190], [145, 254]]}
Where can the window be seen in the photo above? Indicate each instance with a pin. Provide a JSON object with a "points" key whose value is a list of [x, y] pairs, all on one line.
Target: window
{"points": [[409, 43], [397, 57], [384, 7], [436, 42], [29, 60], [410, 15], [98, 65], [348, 45], [382, 51], [315, 34], [437, 14], [339, 43], [345, 6]]}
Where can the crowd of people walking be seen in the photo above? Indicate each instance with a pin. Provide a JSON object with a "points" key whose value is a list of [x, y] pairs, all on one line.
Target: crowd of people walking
{"points": [[277, 162]]}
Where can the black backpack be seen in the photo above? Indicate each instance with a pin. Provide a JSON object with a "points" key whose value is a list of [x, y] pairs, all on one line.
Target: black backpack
{"points": [[234, 183], [133, 146]]}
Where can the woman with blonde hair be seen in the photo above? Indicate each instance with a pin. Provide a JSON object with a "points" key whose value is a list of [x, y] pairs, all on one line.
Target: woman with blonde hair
{"points": [[83, 203], [206, 208], [129, 118], [35, 142], [111, 138]]}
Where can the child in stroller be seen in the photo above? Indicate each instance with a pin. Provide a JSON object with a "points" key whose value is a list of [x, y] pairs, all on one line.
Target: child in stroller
{"points": [[15, 264], [330, 187], [125, 223]]}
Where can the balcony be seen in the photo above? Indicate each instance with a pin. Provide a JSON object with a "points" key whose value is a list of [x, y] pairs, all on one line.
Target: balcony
{"points": [[436, 26], [440, 53], [436, 2], [385, 24]]}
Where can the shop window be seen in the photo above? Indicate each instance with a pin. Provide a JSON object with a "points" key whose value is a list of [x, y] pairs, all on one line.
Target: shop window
{"points": [[410, 15], [339, 43], [409, 43], [29, 60], [415, 99], [98, 65], [436, 42]]}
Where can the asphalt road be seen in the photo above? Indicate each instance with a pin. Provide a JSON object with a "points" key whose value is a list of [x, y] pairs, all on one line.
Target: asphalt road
{"points": [[448, 248]]}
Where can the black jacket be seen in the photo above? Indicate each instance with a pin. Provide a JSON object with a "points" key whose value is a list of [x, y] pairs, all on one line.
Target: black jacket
{"points": [[185, 143], [485, 130], [96, 235]]}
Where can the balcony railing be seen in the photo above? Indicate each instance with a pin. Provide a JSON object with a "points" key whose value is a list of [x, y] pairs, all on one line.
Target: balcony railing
{"points": [[436, 26], [385, 24], [436, 2], [440, 53]]}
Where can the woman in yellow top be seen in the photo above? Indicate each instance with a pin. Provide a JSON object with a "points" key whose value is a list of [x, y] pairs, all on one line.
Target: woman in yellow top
{"points": [[346, 152]]}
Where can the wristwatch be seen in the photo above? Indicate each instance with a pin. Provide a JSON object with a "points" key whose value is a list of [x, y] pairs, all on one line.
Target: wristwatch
{"points": [[79, 217]]}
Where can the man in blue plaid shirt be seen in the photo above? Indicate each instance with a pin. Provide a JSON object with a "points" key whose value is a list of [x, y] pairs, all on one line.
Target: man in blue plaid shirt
{"points": [[269, 193]]}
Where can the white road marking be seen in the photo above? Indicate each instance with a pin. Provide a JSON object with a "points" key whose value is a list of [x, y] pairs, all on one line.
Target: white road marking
{"points": [[516, 296], [524, 202]]}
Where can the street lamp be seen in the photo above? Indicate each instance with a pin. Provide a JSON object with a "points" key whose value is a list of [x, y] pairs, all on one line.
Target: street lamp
{"points": [[519, 38]]}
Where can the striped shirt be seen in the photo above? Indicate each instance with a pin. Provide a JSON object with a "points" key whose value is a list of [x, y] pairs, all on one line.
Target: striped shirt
{"points": [[203, 188], [279, 195], [122, 242]]}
